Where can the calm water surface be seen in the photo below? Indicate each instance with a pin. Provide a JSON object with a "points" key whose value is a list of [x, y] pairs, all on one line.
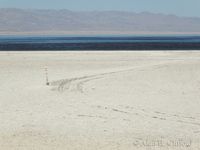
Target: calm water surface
{"points": [[99, 42]]}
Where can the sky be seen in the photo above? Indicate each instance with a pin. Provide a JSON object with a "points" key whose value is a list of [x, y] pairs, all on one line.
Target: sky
{"points": [[182, 8]]}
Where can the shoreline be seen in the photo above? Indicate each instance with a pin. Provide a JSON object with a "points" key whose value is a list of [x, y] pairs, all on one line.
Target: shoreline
{"points": [[91, 32]]}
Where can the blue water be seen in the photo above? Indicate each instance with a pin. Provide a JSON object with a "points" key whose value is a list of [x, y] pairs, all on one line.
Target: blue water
{"points": [[99, 42]]}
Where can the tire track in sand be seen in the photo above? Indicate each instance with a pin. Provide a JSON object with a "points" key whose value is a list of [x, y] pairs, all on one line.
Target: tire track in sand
{"points": [[76, 84]]}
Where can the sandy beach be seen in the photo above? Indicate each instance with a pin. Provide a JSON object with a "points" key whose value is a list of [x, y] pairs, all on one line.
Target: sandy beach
{"points": [[139, 100]]}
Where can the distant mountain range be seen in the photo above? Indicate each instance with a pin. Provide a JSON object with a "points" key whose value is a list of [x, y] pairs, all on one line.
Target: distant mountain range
{"points": [[12, 19]]}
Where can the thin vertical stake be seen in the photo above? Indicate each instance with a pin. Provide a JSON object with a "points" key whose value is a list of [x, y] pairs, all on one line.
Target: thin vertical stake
{"points": [[47, 81]]}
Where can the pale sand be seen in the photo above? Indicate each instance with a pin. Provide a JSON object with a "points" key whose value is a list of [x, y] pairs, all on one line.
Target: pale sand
{"points": [[100, 100]]}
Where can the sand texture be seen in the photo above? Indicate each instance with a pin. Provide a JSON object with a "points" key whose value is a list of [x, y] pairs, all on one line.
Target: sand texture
{"points": [[142, 100]]}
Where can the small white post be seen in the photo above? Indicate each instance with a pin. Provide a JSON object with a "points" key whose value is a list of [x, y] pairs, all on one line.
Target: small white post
{"points": [[47, 81]]}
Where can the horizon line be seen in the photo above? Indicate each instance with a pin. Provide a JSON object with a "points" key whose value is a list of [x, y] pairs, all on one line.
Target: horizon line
{"points": [[145, 11]]}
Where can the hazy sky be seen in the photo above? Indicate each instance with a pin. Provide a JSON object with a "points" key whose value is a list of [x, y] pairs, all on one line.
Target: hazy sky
{"points": [[177, 7]]}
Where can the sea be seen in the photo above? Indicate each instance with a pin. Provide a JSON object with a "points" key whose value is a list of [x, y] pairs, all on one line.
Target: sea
{"points": [[98, 42]]}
